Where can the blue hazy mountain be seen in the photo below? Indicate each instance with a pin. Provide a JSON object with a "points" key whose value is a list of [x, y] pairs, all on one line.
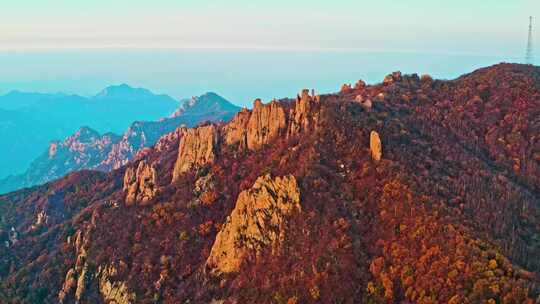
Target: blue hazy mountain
{"points": [[88, 149], [16, 100], [29, 121]]}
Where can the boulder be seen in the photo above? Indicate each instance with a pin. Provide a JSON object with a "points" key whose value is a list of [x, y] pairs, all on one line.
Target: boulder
{"points": [[258, 220]]}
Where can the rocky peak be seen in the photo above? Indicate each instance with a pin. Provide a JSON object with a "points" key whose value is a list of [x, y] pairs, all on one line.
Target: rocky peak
{"points": [[360, 85], [166, 141], [258, 220], [391, 78], [123, 91], [208, 102], [346, 88], [253, 129], [83, 135], [265, 123], [197, 148], [140, 185], [235, 131], [305, 115], [83, 140], [249, 130]]}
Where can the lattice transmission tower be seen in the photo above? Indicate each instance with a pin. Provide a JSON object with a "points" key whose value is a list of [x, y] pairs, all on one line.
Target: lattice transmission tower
{"points": [[529, 54]]}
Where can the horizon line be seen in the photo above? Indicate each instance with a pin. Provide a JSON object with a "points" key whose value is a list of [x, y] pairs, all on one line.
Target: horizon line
{"points": [[262, 48]]}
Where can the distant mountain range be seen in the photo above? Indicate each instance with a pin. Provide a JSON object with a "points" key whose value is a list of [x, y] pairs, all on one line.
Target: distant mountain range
{"points": [[88, 149], [29, 121]]}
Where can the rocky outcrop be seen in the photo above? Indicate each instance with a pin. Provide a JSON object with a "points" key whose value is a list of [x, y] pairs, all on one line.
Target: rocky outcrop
{"points": [[253, 129], [391, 78], [375, 146], [204, 192], [364, 102], [113, 291], [360, 85], [265, 123], [140, 185], [70, 282], [81, 282], [76, 277], [42, 219], [306, 113], [258, 220], [345, 88], [235, 131], [197, 148], [166, 142], [138, 136], [80, 277]]}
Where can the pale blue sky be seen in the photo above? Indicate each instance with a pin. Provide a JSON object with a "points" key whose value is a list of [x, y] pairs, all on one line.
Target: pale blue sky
{"points": [[457, 26]]}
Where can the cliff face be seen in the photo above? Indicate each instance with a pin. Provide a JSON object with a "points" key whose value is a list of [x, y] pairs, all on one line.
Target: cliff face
{"points": [[248, 130], [197, 148], [77, 277], [258, 220], [321, 209], [83, 276], [306, 113], [266, 122], [140, 185], [251, 130]]}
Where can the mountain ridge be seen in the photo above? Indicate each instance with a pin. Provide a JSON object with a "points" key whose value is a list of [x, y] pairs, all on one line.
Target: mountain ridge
{"points": [[435, 216], [87, 149], [123, 91]]}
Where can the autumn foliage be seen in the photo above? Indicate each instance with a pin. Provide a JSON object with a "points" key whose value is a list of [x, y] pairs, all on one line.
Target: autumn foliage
{"points": [[450, 213]]}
